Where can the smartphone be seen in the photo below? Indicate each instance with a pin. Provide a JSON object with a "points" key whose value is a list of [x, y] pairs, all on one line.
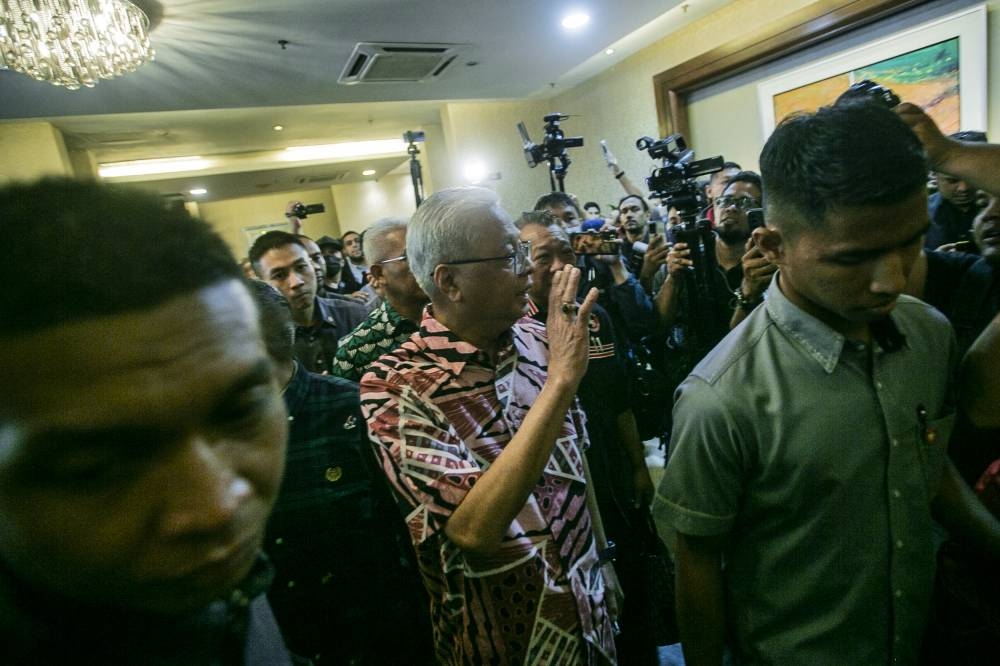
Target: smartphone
{"points": [[755, 218], [656, 228], [595, 242]]}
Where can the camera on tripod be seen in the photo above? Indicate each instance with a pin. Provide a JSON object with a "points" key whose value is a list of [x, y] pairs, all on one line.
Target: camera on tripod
{"points": [[552, 149], [675, 181]]}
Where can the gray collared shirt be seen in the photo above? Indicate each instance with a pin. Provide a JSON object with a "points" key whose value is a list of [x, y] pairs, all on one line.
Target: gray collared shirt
{"points": [[818, 458]]}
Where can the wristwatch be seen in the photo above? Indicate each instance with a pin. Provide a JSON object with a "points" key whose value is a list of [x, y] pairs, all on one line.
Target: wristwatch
{"points": [[744, 302]]}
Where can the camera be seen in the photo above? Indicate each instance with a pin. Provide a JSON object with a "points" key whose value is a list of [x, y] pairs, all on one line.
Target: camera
{"points": [[552, 149], [868, 91], [675, 182], [302, 211], [595, 242], [413, 136]]}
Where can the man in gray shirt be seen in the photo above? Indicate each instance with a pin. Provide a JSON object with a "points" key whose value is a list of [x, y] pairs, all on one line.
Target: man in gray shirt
{"points": [[809, 448]]}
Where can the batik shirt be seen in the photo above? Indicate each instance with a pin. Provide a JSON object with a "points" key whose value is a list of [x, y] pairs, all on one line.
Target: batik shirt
{"points": [[383, 330], [440, 413]]}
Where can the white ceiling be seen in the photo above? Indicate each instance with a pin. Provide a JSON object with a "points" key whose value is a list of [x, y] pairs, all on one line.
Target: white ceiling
{"points": [[220, 80]]}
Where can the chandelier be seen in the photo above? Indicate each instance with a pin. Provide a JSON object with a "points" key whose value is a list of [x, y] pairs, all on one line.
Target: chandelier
{"points": [[73, 43]]}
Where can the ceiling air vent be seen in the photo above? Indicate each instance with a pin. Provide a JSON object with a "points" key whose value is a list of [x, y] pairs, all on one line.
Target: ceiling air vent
{"points": [[321, 178], [381, 63]]}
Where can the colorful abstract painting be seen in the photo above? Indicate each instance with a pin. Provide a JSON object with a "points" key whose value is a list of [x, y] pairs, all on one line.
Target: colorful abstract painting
{"points": [[927, 77]]}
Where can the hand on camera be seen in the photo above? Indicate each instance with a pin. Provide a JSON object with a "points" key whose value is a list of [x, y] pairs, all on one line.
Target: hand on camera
{"points": [[757, 272], [655, 256], [678, 259], [935, 143]]}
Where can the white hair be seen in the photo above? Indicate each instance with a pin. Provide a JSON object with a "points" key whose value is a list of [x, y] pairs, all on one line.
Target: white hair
{"points": [[442, 229], [374, 239]]}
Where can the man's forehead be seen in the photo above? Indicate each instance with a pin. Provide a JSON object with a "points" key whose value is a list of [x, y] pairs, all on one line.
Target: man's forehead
{"points": [[100, 369], [284, 256]]}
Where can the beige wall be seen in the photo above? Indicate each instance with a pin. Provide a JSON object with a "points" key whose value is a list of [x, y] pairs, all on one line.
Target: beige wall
{"points": [[228, 217], [359, 204], [32, 150], [617, 105]]}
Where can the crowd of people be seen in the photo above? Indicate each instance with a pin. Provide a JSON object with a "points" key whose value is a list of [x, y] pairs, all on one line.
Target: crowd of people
{"points": [[424, 443]]}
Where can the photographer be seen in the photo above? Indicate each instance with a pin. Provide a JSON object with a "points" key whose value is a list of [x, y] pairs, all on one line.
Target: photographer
{"points": [[643, 253], [696, 325]]}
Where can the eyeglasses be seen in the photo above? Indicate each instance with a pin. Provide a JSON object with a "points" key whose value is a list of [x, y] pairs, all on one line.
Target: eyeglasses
{"points": [[521, 257], [743, 203], [401, 257]]}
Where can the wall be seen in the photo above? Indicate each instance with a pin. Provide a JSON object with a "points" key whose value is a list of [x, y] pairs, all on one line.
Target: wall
{"points": [[725, 118], [617, 105], [228, 217], [359, 204], [32, 150]]}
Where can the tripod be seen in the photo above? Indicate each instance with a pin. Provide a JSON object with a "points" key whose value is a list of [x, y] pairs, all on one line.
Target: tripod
{"points": [[416, 175]]}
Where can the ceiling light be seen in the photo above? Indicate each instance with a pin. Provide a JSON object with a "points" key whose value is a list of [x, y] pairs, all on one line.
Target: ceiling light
{"points": [[368, 172], [149, 167], [347, 149], [198, 191], [575, 20], [73, 43], [609, 52], [278, 128]]}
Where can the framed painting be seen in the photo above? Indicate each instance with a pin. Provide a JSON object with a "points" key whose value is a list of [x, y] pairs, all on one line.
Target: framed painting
{"points": [[939, 65]]}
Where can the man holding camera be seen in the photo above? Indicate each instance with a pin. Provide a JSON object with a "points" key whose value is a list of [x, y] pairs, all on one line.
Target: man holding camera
{"points": [[704, 293], [809, 447]]}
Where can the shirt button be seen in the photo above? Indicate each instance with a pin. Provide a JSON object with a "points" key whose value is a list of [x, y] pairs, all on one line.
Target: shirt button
{"points": [[279, 541], [333, 474], [896, 493], [895, 443], [291, 418], [899, 544], [291, 583], [878, 386], [899, 594], [896, 638]]}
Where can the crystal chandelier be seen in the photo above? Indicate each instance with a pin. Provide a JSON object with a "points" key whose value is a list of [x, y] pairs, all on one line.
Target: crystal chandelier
{"points": [[73, 43]]}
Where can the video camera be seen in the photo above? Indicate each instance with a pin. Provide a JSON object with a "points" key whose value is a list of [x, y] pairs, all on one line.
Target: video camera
{"points": [[302, 211], [675, 182], [552, 149]]}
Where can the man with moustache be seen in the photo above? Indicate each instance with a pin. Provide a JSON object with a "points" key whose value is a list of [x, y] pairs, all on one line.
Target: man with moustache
{"points": [[478, 430], [142, 437], [281, 260]]}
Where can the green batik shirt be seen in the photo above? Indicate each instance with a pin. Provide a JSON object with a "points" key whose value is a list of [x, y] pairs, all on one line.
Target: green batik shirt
{"points": [[382, 331], [817, 458]]}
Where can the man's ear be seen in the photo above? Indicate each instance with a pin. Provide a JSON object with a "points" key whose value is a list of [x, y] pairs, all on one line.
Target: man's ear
{"points": [[444, 279], [770, 242]]}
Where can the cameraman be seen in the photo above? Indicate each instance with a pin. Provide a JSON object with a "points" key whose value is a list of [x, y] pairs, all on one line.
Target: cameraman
{"points": [[697, 326]]}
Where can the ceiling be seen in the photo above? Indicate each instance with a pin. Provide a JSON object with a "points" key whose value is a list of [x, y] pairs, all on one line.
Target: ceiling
{"points": [[221, 80]]}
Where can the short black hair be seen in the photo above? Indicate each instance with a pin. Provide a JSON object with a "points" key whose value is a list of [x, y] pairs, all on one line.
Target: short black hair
{"points": [[79, 250], [275, 318], [592, 204], [270, 241], [344, 236], [642, 200], [537, 218], [751, 177], [557, 199], [841, 156]]}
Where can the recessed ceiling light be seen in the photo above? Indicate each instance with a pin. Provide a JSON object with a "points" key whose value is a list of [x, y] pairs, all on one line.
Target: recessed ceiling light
{"points": [[575, 20], [198, 191], [609, 52], [368, 172], [278, 128]]}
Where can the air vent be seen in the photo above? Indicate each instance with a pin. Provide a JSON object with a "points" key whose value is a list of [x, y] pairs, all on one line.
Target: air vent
{"points": [[322, 178], [386, 63]]}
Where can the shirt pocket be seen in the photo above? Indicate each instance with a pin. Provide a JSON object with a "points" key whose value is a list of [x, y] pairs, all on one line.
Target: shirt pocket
{"points": [[932, 444]]}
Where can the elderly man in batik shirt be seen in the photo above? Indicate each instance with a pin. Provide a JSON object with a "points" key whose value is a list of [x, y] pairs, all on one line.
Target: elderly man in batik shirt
{"points": [[479, 432]]}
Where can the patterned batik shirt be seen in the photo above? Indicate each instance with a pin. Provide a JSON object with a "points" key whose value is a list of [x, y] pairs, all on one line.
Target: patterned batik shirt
{"points": [[383, 330], [439, 413]]}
